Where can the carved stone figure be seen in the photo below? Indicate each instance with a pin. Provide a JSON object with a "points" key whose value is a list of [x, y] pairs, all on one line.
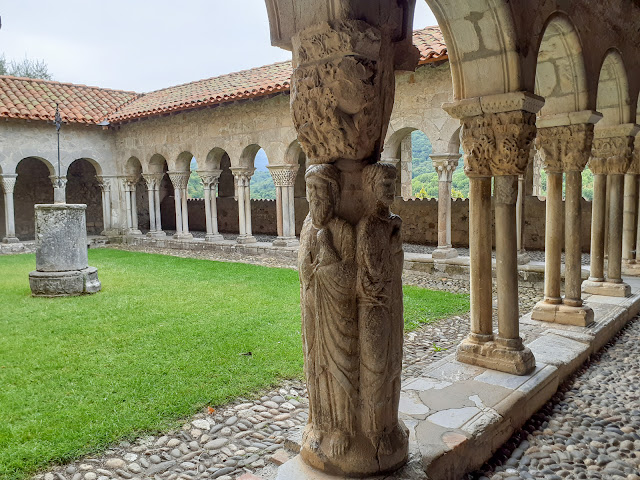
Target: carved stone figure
{"points": [[329, 319], [379, 288]]}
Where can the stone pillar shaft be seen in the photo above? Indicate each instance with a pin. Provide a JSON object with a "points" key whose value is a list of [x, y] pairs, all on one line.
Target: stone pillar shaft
{"points": [[152, 209], [242, 224], [445, 166], [279, 207], [572, 242], [178, 202], [614, 274], [180, 181], [598, 212], [284, 177], [156, 193], [8, 182], [207, 209], [480, 257], [629, 217], [127, 200], [553, 236]]}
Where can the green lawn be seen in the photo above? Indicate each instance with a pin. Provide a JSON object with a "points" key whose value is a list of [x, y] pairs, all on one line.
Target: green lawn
{"points": [[165, 337]]}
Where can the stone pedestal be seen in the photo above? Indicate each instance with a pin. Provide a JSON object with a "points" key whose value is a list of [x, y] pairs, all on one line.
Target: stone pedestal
{"points": [[62, 265]]}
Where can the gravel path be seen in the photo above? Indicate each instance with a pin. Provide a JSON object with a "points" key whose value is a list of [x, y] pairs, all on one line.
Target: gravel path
{"points": [[589, 429]]}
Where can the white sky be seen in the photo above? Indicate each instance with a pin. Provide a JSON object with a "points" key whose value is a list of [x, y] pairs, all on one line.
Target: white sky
{"points": [[144, 45]]}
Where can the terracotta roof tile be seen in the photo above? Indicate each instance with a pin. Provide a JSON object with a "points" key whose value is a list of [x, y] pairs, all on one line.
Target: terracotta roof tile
{"points": [[36, 99]]}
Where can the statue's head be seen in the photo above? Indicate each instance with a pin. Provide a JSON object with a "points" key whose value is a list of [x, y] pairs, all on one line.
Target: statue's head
{"points": [[379, 183], [323, 192]]}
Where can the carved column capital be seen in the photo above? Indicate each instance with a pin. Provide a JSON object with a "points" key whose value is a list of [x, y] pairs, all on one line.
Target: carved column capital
{"points": [[8, 182], [153, 180], [179, 180], [497, 132], [634, 168], [243, 175], [445, 164], [284, 175], [104, 183], [209, 177], [58, 182], [565, 148], [342, 89], [611, 155]]}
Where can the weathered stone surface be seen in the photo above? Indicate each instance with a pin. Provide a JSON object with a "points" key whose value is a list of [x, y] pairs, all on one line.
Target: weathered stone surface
{"points": [[61, 238]]}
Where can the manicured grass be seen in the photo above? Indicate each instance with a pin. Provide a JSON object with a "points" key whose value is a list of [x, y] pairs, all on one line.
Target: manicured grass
{"points": [[423, 306], [164, 338]]}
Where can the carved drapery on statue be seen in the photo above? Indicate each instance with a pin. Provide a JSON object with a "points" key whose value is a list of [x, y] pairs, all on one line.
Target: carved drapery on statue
{"points": [[350, 256]]}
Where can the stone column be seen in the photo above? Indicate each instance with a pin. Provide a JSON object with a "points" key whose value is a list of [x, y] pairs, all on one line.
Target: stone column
{"points": [[564, 148], [180, 180], [8, 182], [210, 182], [496, 143], [284, 178], [444, 165], [523, 256], [243, 179], [153, 181], [105, 187], [350, 256], [406, 159], [59, 188], [132, 205], [537, 178], [611, 154], [630, 221], [127, 202]]}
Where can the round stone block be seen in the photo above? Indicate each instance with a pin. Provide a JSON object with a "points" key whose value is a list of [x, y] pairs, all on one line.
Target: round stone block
{"points": [[56, 284], [61, 238]]}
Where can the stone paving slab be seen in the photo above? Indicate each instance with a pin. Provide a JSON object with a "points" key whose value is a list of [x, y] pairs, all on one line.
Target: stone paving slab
{"points": [[459, 414]]}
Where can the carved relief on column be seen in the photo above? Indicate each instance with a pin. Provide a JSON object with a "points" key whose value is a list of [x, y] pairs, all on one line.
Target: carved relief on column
{"points": [[350, 257], [179, 180], [152, 180], [562, 148]]}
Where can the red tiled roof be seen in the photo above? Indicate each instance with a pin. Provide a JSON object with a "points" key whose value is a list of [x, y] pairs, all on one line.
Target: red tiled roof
{"points": [[246, 84], [36, 99], [33, 99]]}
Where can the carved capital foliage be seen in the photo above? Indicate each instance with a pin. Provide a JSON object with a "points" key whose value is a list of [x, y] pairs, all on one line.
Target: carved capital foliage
{"points": [[445, 166], [635, 161], [284, 176], [8, 182], [242, 175], [104, 183], [179, 179], [153, 180], [565, 148], [497, 143], [342, 90], [611, 155], [209, 177]]}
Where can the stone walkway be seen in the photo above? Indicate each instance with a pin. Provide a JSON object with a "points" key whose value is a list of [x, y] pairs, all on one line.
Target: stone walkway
{"points": [[591, 427], [247, 437]]}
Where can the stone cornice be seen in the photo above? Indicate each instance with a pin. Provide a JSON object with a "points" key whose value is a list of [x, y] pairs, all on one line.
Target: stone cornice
{"points": [[571, 118], [503, 102]]}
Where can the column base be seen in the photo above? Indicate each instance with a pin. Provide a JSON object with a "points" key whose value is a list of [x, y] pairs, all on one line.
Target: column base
{"points": [[183, 236], [133, 231], [156, 234], [213, 237], [610, 289], [581, 316], [631, 268], [10, 240], [64, 284], [246, 239], [286, 242], [361, 458], [496, 357], [523, 257], [444, 252]]}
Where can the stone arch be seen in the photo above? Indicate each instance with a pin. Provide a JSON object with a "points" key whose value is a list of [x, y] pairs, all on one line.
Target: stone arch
{"points": [[296, 156], [248, 155], [613, 99], [133, 166], [214, 158], [83, 187], [481, 41], [183, 162], [33, 186], [560, 70]]}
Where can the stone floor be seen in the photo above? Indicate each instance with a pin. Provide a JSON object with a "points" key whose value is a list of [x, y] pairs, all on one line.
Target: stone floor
{"points": [[591, 427]]}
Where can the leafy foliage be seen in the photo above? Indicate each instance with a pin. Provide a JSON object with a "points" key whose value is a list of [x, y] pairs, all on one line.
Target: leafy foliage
{"points": [[26, 68]]}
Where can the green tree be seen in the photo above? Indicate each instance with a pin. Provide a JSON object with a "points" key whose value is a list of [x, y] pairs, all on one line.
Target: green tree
{"points": [[195, 188], [27, 67]]}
